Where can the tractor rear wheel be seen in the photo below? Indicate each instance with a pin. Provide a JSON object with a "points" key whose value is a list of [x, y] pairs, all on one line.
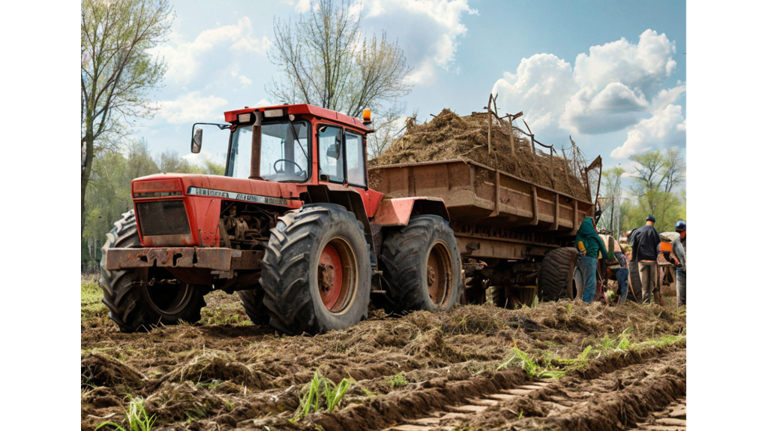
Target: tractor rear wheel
{"points": [[556, 276], [316, 272], [134, 305], [422, 265]]}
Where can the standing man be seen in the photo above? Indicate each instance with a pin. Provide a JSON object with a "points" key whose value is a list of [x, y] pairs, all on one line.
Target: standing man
{"points": [[678, 258], [645, 249], [589, 245]]}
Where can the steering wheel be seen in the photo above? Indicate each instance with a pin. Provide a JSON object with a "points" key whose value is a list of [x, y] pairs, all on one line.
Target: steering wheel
{"points": [[285, 160]]}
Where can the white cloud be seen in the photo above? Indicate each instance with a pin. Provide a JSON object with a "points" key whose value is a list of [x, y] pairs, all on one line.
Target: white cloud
{"points": [[261, 103], [642, 66], [192, 107], [610, 88], [541, 87], [299, 6], [428, 31], [183, 57], [666, 128]]}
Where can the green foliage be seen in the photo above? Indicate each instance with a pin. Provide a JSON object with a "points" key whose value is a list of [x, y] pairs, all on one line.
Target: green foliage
{"points": [[109, 193], [620, 343], [117, 72], [545, 364], [320, 389], [654, 185], [136, 417], [90, 300], [397, 380], [521, 359]]}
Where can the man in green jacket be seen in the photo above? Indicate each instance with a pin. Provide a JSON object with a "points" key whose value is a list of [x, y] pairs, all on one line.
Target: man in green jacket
{"points": [[589, 244]]}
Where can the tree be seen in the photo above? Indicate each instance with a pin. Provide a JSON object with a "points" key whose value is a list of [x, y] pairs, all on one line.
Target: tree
{"points": [[656, 178], [117, 73], [611, 219], [326, 61]]}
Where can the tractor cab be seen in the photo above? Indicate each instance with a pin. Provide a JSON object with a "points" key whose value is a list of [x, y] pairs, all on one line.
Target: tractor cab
{"points": [[276, 144]]}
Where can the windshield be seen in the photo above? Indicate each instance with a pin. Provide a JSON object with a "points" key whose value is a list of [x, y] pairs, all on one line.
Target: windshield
{"points": [[283, 158]]}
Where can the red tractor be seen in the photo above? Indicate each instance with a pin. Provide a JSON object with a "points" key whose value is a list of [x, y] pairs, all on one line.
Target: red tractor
{"points": [[292, 227]]}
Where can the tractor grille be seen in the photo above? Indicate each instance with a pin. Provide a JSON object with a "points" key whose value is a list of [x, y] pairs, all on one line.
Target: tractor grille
{"points": [[162, 218]]}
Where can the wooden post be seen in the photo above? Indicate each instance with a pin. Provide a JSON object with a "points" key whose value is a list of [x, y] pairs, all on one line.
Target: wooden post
{"points": [[511, 136], [565, 167], [490, 123], [551, 165]]}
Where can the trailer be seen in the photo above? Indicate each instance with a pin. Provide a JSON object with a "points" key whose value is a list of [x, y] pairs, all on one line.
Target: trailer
{"points": [[504, 225]]}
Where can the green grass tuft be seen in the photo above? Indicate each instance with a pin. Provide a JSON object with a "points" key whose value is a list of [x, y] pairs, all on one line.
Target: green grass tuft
{"points": [[397, 380], [90, 300], [136, 418], [317, 391]]}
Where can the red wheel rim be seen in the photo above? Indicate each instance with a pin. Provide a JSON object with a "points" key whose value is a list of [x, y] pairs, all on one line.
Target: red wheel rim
{"points": [[439, 273], [336, 275]]}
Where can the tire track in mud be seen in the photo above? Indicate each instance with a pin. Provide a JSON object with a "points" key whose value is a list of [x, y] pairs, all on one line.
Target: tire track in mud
{"points": [[671, 418], [612, 393]]}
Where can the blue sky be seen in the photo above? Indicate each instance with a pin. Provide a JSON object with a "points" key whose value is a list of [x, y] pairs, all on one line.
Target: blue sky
{"points": [[610, 73]]}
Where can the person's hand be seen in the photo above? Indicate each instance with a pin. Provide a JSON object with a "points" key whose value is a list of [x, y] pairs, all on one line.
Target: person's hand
{"points": [[675, 261]]}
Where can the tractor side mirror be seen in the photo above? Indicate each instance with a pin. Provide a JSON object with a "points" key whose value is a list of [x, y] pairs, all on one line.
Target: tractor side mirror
{"points": [[334, 150], [197, 141]]}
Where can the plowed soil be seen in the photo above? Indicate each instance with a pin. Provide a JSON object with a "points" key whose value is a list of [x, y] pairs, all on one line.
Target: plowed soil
{"points": [[225, 373]]}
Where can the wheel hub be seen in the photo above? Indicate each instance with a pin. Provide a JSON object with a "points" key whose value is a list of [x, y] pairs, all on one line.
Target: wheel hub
{"points": [[327, 277], [336, 275], [439, 273]]}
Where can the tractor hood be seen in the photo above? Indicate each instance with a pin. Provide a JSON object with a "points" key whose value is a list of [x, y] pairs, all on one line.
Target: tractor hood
{"points": [[183, 210]]}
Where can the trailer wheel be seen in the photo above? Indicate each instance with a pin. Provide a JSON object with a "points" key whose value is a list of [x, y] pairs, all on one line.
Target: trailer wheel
{"points": [[422, 265], [316, 271], [133, 305], [556, 276], [253, 302]]}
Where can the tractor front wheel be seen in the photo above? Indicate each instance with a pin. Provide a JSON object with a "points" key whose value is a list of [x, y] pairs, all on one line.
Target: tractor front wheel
{"points": [[132, 303], [316, 271]]}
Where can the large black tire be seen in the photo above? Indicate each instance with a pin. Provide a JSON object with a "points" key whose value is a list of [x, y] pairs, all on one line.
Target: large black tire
{"points": [[131, 304], [291, 265], [408, 254], [556, 276], [253, 302]]}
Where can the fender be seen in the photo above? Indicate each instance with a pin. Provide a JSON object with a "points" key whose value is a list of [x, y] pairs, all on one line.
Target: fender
{"points": [[398, 211], [347, 197]]}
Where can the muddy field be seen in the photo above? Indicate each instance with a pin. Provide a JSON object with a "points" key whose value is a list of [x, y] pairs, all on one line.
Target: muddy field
{"points": [[556, 366]]}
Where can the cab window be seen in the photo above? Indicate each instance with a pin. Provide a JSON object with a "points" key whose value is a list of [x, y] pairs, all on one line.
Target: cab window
{"points": [[355, 159], [330, 155]]}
